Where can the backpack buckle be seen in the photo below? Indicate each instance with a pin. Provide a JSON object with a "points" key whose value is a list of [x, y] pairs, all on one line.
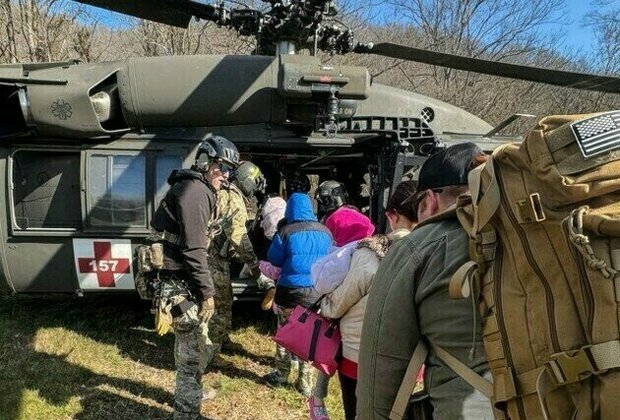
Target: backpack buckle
{"points": [[531, 210], [572, 366]]}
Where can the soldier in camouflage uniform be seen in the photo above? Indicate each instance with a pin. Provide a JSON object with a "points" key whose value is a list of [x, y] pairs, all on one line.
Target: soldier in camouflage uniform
{"points": [[234, 241], [186, 291]]}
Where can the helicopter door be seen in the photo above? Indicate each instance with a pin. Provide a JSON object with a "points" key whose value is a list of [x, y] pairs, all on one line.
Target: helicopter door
{"points": [[44, 211]]}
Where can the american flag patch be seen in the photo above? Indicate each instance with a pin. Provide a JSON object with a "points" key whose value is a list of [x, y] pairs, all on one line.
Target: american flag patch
{"points": [[598, 134]]}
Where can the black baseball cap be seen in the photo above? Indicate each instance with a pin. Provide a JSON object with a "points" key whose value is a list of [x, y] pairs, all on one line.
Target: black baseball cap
{"points": [[448, 167]]}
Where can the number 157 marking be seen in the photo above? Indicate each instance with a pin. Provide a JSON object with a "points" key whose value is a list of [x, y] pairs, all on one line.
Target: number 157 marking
{"points": [[103, 265]]}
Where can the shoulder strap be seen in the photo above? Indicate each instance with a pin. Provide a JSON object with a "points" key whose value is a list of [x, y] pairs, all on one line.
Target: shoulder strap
{"points": [[486, 205], [417, 360], [406, 387], [464, 371], [164, 205]]}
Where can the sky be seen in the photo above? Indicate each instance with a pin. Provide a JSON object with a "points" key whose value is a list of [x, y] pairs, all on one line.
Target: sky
{"points": [[579, 36]]}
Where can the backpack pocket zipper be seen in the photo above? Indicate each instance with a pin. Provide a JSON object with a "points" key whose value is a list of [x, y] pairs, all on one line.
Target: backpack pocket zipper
{"points": [[555, 342]]}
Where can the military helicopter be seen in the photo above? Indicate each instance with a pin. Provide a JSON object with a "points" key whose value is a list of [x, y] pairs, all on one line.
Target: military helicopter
{"points": [[87, 147]]}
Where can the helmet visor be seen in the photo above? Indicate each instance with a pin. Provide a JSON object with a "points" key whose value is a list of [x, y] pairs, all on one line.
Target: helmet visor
{"points": [[225, 165]]}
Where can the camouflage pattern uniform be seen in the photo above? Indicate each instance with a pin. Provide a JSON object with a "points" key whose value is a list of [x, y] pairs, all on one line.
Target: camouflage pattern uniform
{"points": [[264, 283], [221, 323], [232, 242], [192, 352]]}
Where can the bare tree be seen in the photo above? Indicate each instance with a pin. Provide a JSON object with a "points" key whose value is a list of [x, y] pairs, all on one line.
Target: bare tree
{"points": [[604, 19], [44, 30], [512, 31], [8, 47]]}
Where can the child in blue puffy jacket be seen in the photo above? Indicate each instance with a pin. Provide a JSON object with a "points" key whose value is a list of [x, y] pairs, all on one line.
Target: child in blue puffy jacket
{"points": [[295, 247]]}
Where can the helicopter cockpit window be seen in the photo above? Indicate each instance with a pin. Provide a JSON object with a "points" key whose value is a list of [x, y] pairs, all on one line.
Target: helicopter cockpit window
{"points": [[42, 187], [117, 192]]}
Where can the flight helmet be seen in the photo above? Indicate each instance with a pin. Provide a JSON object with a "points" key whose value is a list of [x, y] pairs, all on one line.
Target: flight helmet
{"points": [[330, 195], [219, 149], [249, 178]]}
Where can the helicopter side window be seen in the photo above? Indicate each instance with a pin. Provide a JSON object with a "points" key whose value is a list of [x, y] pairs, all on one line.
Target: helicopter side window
{"points": [[44, 182], [164, 164], [117, 191]]}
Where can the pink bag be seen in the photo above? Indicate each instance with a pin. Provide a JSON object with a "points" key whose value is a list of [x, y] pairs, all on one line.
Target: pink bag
{"points": [[311, 338]]}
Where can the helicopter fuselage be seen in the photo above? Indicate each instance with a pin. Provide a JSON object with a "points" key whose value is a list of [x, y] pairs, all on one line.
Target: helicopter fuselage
{"points": [[87, 149]]}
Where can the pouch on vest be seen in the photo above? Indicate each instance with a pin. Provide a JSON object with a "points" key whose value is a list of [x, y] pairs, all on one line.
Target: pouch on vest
{"points": [[150, 257], [544, 229]]}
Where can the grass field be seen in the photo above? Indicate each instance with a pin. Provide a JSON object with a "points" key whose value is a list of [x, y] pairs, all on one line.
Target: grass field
{"points": [[99, 358]]}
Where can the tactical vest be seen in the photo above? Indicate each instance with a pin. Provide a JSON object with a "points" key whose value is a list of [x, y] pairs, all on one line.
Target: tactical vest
{"points": [[220, 236]]}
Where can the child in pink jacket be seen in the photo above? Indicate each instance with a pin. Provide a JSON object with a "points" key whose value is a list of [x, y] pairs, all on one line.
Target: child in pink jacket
{"points": [[348, 226]]}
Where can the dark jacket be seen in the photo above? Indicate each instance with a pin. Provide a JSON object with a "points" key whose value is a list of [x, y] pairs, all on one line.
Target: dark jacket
{"points": [[297, 245], [409, 301], [187, 212]]}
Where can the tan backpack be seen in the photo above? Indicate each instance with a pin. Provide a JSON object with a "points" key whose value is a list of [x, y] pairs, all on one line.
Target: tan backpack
{"points": [[544, 227]]}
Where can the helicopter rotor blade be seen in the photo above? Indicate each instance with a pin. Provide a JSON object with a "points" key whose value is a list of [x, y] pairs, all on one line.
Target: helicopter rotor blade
{"points": [[563, 78], [170, 12]]}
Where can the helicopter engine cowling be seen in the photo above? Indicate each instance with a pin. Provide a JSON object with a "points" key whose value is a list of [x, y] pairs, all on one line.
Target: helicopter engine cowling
{"points": [[90, 101], [93, 101]]}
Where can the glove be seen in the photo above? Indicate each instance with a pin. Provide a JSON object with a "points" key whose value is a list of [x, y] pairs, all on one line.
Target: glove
{"points": [[207, 309], [163, 320]]}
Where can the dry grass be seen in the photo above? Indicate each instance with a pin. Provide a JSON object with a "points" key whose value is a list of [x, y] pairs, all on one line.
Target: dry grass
{"points": [[96, 358]]}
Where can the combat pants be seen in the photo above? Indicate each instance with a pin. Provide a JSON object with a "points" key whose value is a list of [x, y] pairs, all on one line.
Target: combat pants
{"points": [[283, 360], [192, 352], [221, 323]]}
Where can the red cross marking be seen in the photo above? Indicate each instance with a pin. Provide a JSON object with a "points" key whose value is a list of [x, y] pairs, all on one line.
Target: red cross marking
{"points": [[104, 265]]}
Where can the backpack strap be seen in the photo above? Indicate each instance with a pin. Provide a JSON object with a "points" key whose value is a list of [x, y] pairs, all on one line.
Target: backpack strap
{"points": [[470, 376], [475, 213], [572, 366], [415, 363], [461, 282], [569, 367], [487, 204], [464, 371], [407, 386]]}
